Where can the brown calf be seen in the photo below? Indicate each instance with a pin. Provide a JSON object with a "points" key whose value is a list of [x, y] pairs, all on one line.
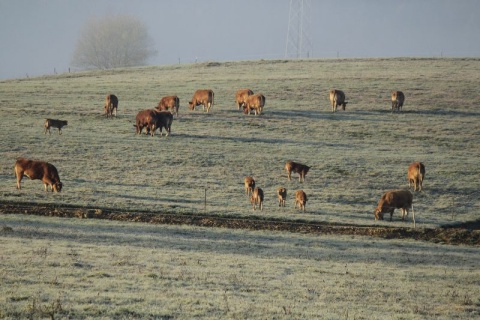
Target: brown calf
{"points": [[56, 124], [337, 99], [240, 97], [257, 198], [146, 119], [38, 170], [254, 102], [282, 196], [391, 200], [415, 175], [299, 168], [111, 105], [202, 97], [249, 185], [300, 199], [171, 103], [398, 98]]}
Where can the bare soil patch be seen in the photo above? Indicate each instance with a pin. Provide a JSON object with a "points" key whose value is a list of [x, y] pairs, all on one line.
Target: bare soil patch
{"points": [[459, 234]]}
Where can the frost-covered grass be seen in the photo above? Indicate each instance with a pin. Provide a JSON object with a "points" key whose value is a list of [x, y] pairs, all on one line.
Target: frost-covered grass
{"points": [[79, 269], [104, 269], [355, 155]]}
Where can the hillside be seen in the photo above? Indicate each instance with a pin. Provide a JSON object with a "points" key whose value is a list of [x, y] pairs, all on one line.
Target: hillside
{"points": [[355, 155]]}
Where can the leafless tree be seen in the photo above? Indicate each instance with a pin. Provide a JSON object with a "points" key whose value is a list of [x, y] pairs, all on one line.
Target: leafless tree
{"points": [[112, 42]]}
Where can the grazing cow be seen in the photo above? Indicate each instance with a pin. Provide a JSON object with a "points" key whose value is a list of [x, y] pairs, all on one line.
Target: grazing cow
{"points": [[282, 196], [254, 102], [202, 97], [146, 119], [240, 97], [249, 185], [337, 99], [171, 103], [415, 175], [56, 124], [300, 199], [299, 168], [38, 170], [257, 198], [398, 98], [391, 200], [111, 105]]}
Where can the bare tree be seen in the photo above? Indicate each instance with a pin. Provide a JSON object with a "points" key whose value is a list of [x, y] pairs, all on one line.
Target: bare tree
{"points": [[112, 42]]}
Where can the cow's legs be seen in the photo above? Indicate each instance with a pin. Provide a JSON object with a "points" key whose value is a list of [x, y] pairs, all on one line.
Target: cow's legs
{"points": [[19, 178]]}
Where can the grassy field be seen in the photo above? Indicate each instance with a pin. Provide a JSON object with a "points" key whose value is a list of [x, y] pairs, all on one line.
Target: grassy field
{"points": [[184, 272], [355, 155], [79, 269]]}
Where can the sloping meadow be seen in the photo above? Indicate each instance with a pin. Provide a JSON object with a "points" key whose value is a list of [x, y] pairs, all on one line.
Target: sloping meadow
{"points": [[355, 155]]}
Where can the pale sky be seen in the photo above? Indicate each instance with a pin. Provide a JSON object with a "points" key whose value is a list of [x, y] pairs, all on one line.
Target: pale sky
{"points": [[39, 36]]}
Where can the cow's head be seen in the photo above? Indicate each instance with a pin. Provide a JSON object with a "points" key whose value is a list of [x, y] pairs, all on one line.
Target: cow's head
{"points": [[57, 187], [190, 105], [344, 104], [378, 214]]}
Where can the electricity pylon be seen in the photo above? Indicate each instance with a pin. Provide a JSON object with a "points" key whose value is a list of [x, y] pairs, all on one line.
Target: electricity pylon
{"points": [[298, 38]]}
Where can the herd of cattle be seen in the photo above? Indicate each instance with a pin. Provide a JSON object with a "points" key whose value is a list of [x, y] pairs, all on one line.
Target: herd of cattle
{"points": [[390, 200], [162, 117]]}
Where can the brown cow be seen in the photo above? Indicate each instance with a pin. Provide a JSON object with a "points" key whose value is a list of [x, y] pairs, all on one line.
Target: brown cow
{"points": [[398, 98], [171, 103], [254, 102], [415, 175], [146, 119], [337, 99], [38, 170], [300, 199], [111, 105], [249, 185], [299, 168], [56, 124], [257, 198], [202, 97], [282, 196], [391, 200], [240, 97]]}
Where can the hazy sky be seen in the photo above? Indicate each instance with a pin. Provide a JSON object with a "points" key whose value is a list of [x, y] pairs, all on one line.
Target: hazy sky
{"points": [[38, 36]]}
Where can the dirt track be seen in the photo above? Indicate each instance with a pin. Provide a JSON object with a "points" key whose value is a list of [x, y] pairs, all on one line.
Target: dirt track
{"points": [[465, 234]]}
